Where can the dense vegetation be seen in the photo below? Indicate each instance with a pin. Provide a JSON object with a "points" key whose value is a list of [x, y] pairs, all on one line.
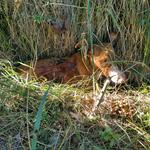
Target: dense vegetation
{"points": [[27, 33]]}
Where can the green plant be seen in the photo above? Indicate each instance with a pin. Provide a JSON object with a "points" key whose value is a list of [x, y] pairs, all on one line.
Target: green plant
{"points": [[38, 119], [108, 135]]}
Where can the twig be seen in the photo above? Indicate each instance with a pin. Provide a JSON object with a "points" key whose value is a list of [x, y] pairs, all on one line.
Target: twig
{"points": [[66, 5], [99, 98]]}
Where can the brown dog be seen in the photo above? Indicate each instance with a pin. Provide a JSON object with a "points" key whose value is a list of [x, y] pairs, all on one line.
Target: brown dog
{"points": [[78, 67]]}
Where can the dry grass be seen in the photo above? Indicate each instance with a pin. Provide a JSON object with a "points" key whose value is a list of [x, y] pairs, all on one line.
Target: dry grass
{"points": [[26, 33], [121, 121]]}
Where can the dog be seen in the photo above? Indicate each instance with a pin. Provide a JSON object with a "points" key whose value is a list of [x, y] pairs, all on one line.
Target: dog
{"points": [[95, 62]]}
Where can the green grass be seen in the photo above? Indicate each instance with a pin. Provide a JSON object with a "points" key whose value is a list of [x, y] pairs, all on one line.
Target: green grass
{"points": [[122, 120], [64, 123]]}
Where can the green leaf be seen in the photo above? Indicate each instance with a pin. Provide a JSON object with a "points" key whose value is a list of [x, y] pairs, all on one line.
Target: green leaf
{"points": [[38, 119]]}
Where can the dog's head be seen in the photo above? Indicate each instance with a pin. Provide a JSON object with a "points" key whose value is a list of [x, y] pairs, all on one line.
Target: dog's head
{"points": [[102, 57]]}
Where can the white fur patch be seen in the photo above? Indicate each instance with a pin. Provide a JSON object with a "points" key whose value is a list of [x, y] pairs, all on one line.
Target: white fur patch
{"points": [[116, 75]]}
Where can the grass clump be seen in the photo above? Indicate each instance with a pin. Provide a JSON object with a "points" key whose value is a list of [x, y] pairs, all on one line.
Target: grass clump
{"points": [[65, 124], [27, 33]]}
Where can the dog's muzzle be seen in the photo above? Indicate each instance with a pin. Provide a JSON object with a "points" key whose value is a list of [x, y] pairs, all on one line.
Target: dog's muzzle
{"points": [[117, 76]]}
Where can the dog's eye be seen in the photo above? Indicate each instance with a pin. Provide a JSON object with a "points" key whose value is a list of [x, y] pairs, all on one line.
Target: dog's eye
{"points": [[105, 60]]}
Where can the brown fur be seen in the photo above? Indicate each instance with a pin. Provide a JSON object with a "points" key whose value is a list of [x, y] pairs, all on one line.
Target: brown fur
{"points": [[75, 66]]}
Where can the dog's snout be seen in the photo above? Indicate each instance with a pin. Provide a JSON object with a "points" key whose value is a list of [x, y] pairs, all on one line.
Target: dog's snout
{"points": [[117, 76]]}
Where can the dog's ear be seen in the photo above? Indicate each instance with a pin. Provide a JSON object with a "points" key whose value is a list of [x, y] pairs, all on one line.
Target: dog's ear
{"points": [[113, 36]]}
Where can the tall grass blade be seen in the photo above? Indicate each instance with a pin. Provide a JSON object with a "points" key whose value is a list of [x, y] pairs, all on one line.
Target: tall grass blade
{"points": [[38, 119], [114, 19], [90, 36]]}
